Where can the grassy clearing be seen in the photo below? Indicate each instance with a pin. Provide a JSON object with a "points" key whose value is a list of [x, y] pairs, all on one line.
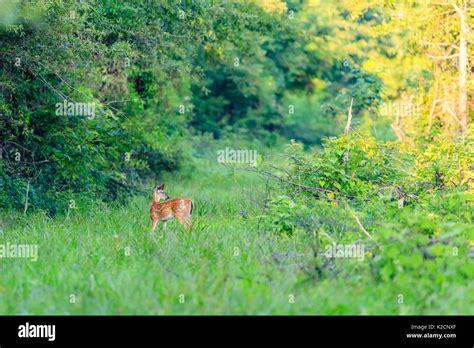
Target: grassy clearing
{"points": [[226, 264]]}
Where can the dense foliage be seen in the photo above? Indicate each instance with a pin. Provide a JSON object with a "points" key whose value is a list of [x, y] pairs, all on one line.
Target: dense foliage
{"points": [[409, 210], [155, 73], [360, 112]]}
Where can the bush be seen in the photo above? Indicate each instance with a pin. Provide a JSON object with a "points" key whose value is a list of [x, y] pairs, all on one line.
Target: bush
{"points": [[410, 208]]}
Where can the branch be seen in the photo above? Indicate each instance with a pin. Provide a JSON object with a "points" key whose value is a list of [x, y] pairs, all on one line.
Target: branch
{"points": [[276, 177], [349, 118], [451, 112], [443, 57], [433, 107], [458, 10], [364, 231], [20, 146], [26, 198], [440, 3], [444, 44]]}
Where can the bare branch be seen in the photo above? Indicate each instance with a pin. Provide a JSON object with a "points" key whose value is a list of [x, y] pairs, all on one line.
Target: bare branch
{"points": [[26, 198], [433, 107], [364, 231], [442, 57], [440, 3], [451, 112], [458, 10], [443, 44], [280, 179], [349, 118]]}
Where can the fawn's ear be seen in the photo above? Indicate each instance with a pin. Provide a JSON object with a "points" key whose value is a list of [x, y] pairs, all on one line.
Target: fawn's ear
{"points": [[161, 187]]}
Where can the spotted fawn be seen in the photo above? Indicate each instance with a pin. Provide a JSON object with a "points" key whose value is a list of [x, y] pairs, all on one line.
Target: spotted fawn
{"points": [[179, 208]]}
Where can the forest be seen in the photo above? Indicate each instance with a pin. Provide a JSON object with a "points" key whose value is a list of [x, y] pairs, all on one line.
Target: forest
{"points": [[327, 146]]}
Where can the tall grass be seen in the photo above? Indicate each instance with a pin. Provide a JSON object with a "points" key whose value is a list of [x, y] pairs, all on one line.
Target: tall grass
{"points": [[103, 260]]}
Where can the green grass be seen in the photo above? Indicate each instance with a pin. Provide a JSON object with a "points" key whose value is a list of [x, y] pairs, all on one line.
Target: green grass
{"points": [[226, 264]]}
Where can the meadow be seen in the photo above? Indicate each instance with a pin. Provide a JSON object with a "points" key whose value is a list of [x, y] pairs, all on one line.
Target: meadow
{"points": [[358, 199], [103, 260]]}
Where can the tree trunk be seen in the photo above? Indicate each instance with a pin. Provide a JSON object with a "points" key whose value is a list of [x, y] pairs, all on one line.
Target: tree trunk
{"points": [[462, 107]]}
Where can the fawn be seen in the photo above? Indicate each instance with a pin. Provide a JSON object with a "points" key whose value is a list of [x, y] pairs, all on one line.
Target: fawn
{"points": [[180, 208]]}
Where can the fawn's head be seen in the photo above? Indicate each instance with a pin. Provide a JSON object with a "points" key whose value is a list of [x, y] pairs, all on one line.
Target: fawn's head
{"points": [[158, 193]]}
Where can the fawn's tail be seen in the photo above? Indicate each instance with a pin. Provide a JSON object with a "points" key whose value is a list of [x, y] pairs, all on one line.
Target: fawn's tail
{"points": [[192, 207]]}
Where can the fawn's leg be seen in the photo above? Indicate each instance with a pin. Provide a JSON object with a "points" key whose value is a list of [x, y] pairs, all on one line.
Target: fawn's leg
{"points": [[187, 222], [187, 218], [165, 225], [184, 221], [153, 226]]}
